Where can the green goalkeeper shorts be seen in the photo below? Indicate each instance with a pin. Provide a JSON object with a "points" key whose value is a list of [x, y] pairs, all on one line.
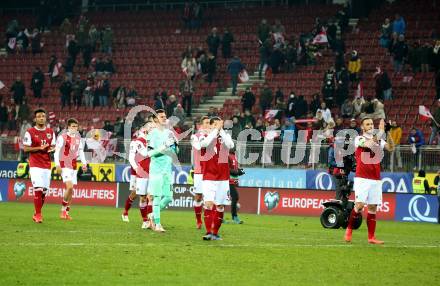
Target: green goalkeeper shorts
{"points": [[159, 184]]}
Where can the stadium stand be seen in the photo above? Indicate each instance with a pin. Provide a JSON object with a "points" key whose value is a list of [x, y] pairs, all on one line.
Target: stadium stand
{"points": [[148, 46], [147, 51]]}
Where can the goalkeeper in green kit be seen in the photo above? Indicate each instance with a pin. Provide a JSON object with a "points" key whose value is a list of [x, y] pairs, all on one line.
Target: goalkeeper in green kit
{"points": [[162, 146]]}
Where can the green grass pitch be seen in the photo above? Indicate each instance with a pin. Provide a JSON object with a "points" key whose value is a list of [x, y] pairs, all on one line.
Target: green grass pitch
{"points": [[97, 248]]}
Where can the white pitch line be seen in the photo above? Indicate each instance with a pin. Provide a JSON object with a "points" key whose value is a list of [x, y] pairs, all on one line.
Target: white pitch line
{"points": [[214, 244]]}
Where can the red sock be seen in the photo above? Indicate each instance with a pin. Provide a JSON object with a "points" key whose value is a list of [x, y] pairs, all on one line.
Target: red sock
{"points": [[371, 224], [208, 219], [198, 212], [43, 198], [38, 200], [128, 203], [213, 215], [149, 209], [353, 216], [64, 205], [143, 210], [217, 221]]}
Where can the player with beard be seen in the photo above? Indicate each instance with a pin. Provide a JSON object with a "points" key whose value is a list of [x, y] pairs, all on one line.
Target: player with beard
{"points": [[367, 183], [198, 168], [162, 147], [39, 141], [215, 183], [69, 147]]}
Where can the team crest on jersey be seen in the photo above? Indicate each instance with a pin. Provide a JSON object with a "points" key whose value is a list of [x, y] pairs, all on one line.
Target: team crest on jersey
{"points": [[49, 136]]}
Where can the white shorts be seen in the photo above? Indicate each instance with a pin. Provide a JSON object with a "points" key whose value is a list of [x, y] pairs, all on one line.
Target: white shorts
{"points": [[132, 183], [69, 175], [198, 180], [141, 186], [368, 191], [40, 177], [216, 191]]}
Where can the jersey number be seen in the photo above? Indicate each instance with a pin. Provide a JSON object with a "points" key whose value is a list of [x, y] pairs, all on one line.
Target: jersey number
{"points": [[43, 142]]}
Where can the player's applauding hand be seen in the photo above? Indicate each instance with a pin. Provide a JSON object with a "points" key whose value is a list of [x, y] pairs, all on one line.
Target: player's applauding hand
{"points": [[44, 147]]}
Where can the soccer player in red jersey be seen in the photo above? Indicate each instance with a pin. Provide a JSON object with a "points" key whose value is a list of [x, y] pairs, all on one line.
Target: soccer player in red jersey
{"points": [[141, 165], [198, 168], [132, 187], [39, 141], [367, 184], [69, 147], [215, 183]]}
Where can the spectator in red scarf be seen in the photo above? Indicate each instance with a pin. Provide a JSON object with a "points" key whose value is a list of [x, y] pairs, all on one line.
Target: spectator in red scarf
{"points": [[383, 85], [308, 132]]}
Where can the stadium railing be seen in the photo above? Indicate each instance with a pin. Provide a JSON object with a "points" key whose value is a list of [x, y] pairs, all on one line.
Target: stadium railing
{"points": [[273, 155]]}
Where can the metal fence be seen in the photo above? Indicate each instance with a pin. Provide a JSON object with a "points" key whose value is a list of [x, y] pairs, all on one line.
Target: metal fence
{"points": [[274, 155]]}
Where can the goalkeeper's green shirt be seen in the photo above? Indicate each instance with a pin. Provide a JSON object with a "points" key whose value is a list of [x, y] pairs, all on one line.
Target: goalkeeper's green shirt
{"points": [[160, 163]]}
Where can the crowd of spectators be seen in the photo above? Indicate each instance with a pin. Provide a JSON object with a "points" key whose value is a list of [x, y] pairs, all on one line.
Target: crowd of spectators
{"points": [[335, 93], [334, 104], [279, 52], [199, 64], [81, 38], [94, 89], [76, 89], [16, 111], [418, 56]]}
